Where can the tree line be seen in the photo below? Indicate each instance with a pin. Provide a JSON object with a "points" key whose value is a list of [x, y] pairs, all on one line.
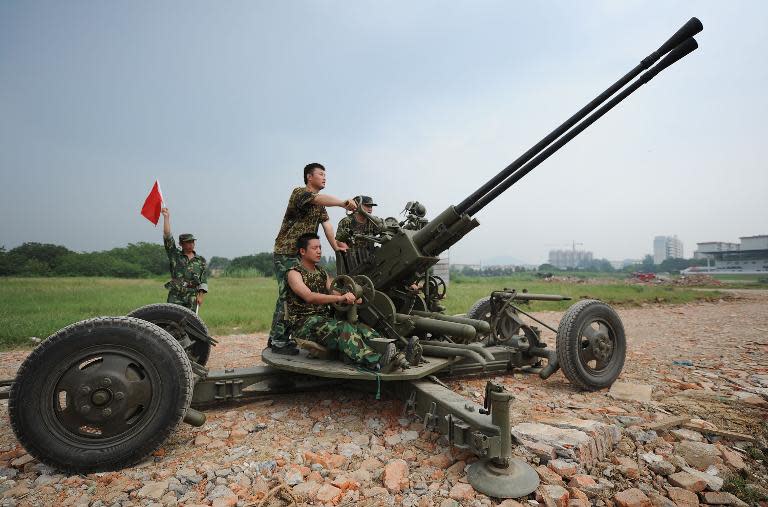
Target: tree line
{"points": [[140, 260], [594, 266], [136, 260]]}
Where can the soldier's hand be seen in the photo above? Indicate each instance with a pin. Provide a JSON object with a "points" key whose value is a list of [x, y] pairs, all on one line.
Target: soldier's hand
{"points": [[351, 205], [348, 298], [164, 212], [341, 246]]}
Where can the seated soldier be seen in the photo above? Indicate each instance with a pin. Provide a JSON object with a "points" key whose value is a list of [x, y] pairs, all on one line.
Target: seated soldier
{"points": [[308, 298]]}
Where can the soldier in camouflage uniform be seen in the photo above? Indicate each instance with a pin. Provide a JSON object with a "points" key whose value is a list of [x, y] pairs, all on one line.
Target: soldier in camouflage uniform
{"points": [[308, 298], [305, 213], [357, 223], [189, 273]]}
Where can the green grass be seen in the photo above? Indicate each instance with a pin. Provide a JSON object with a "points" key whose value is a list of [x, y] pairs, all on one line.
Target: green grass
{"points": [[738, 281], [465, 291], [41, 306]]}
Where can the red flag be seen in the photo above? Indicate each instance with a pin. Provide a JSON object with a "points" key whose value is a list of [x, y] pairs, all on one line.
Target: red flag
{"points": [[151, 208]]}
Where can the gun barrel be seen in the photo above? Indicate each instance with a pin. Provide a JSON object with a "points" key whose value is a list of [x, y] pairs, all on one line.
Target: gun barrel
{"points": [[527, 296], [435, 326], [683, 49], [481, 326], [692, 27]]}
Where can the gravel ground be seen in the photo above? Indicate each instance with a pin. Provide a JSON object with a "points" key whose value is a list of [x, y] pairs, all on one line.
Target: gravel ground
{"points": [[706, 361]]}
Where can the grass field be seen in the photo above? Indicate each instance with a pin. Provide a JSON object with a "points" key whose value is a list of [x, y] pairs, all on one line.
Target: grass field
{"points": [[740, 280], [40, 306], [464, 292]]}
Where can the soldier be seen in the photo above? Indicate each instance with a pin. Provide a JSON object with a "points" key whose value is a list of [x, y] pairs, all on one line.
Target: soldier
{"points": [[189, 274], [305, 212], [357, 223], [308, 297]]}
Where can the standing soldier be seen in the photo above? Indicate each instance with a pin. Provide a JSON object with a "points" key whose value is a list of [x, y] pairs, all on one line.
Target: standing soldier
{"points": [[357, 223], [305, 212], [189, 275]]}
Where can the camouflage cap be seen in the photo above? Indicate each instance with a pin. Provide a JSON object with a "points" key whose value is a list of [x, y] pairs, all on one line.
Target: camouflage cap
{"points": [[366, 200], [183, 238]]}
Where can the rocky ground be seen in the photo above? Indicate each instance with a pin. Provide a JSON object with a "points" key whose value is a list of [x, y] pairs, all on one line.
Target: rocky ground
{"points": [[685, 425]]}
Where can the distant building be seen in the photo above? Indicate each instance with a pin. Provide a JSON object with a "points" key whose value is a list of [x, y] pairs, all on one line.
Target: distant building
{"points": [[443, 267], [667, 247], [565, 259], [461, 267], [749, 256], [624, 263], [703, 250]]}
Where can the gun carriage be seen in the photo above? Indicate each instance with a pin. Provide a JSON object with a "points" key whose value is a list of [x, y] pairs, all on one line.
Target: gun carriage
{"points": [[101, 394]]}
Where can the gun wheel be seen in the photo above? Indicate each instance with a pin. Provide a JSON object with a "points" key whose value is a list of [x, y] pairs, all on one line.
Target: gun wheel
{"points": [[506, 326], [437, 287], [481, 310], [100, 394], [177, 320], [591, 345]]}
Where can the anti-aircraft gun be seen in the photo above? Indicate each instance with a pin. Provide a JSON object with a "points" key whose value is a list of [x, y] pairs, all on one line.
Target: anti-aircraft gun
{"points": [[104, 393], [590, 339]]}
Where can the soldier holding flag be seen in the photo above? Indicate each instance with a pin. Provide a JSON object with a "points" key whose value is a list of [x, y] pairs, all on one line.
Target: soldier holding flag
{"points": [[189, 273]]}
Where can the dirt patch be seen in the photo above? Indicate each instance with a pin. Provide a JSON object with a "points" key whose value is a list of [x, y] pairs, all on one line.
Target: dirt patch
{"points": [[704, 360]]}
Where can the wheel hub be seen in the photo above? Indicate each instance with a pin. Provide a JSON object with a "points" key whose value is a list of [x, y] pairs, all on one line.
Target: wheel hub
{"points": [[602, 347], [102, 396]]}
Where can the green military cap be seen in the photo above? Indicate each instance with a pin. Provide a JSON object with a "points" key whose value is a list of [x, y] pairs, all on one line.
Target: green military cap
{"points": [[366, 200], [183, 238]]}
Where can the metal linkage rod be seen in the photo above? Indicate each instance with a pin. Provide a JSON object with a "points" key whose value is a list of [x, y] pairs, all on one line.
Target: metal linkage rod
{"points": [[692, 27], [676, 54]]}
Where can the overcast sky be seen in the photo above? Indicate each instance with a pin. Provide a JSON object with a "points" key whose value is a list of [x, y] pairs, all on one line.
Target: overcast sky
{"points": [[224, 104]]}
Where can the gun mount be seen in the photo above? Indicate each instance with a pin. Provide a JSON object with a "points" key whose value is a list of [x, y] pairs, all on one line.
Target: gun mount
{"points": [[104, 393], [404, 252]]}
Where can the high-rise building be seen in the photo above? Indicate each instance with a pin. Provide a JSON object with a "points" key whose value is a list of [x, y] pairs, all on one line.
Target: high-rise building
{"points": [[667, 247], [565, 259]]}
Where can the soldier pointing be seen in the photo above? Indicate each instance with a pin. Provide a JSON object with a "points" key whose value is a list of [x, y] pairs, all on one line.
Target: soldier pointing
{"points": [[304, 214], [189, 275]]}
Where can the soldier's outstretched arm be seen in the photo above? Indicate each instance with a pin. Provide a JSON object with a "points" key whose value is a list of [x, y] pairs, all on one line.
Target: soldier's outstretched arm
{"points": [[168, 242], [329, 200], [166, 221], [298, 286]]}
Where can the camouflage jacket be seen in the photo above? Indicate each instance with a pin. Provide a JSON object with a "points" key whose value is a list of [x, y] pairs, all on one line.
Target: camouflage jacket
{"points": [[298, 309], [301, 216], [186, 274], [348, 227]]}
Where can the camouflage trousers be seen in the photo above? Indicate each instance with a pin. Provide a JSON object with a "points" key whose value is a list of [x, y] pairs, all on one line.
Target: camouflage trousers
{"points": [[280, 331], [349, 339], [187, 298]]}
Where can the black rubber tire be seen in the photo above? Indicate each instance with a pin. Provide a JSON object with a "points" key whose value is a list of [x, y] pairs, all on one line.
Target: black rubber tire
{"points": [[49, 428], [169, 317], [481, 310], [569, 343]]}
